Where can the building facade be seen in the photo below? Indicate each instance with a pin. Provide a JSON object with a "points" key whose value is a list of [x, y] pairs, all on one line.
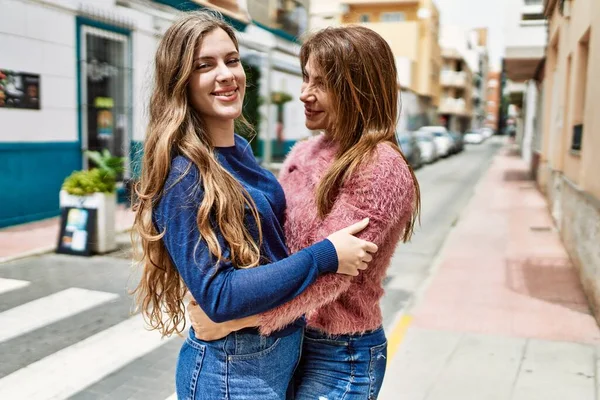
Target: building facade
{"points": [[76, 76], [492, 100], [525, 37], [570, 146], [478, 60], [456, 105], [412, 30], [464, 76]]}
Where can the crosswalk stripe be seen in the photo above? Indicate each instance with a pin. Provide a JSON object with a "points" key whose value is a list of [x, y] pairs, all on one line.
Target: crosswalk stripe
{"points": [[6, 285], [172, 397], [72, 369], [49, 309]]}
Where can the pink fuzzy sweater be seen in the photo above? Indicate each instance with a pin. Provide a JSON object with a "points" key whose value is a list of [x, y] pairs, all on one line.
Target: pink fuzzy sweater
{"points": [[382, 190]]}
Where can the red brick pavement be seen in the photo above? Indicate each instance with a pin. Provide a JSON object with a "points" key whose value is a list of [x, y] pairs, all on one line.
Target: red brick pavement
{"points": [[504, 269]]}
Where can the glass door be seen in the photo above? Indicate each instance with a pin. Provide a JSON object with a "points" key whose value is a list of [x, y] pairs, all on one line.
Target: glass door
{"points": [[105, 95]]}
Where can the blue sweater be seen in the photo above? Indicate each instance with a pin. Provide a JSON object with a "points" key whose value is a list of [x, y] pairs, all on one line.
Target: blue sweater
{"points": [[226, 292]]}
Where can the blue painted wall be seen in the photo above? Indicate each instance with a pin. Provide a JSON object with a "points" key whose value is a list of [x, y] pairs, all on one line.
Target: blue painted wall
{"points": [[31, 175], [279, 149]]}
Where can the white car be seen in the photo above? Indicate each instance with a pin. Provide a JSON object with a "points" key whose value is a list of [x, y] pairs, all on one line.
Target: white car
{"points": [[473, 137], [443, 140], [426, 143], [486, 132]]}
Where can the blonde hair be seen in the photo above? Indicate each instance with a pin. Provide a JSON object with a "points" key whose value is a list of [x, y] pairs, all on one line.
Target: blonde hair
{"points": [[175, 127], [361, 78]]}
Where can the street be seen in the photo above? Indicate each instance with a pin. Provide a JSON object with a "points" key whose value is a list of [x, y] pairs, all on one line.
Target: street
{"points": [[66, 323]]}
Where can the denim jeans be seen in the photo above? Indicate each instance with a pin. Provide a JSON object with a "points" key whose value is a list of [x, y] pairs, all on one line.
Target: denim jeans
{"points": [[345, 367], [243, 365]]}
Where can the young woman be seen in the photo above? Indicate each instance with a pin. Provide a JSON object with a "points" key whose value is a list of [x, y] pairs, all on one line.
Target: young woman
{"points": [[352, 171], [208, 214]]}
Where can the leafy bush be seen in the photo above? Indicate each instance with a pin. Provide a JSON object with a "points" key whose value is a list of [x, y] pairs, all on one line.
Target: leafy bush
{"points": [[107, 162], [96, 180], [82, 183]]}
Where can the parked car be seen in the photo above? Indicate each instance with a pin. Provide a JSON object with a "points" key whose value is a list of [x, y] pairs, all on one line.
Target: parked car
{"points": [[410, 148], [426, 143], [486, 132], [443, 141], [459, 143], [473, 137]]}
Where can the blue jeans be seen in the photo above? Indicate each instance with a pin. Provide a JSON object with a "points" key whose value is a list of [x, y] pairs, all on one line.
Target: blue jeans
{"points": [[243, 365], [345, 367]]}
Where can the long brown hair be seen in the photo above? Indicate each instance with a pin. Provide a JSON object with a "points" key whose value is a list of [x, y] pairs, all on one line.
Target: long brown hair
{"points": [[175, 127], [361, 79]]}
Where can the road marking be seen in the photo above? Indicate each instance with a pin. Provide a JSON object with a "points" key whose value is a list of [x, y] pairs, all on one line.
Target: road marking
{"points": [[70, 370], [398, 335], [172, 397], [47, 310], [6, 285]]}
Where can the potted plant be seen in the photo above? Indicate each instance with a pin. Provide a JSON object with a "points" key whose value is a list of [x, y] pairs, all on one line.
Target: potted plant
{"points": [[96, 189]]}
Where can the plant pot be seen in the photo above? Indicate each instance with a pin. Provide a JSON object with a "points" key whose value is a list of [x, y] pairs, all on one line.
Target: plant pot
{"points": [[104, 239]]}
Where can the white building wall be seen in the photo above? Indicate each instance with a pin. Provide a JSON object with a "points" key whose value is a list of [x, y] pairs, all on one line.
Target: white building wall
{"points": [[530, 110], [324, 13], [28, 43], [518, 33], [144, 48]]}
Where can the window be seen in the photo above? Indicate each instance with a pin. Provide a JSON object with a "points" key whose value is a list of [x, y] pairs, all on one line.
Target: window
{"points": [[533, 17], [364, 18], [534, 2], [583, 50], [393, 17]]}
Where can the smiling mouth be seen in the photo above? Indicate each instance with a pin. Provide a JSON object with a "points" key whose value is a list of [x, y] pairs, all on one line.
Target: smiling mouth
{"points": [[311, 113], [225, 94]]}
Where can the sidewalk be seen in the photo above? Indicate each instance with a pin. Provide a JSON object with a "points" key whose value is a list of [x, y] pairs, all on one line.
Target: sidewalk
{"points": [[42, 236], [504, 315]]}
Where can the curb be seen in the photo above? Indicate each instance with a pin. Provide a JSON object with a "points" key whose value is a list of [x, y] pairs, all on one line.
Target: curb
{"points": [[43, 250]]}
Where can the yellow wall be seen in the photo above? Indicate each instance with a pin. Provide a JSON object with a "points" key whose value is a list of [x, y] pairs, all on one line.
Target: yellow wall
{"points": [[374, 11], [563, 95], [416, 39], [402, 37]]}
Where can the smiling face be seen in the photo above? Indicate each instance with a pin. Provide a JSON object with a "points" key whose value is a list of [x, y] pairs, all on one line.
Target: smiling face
{"points": [[217, 85], [317, 102]]}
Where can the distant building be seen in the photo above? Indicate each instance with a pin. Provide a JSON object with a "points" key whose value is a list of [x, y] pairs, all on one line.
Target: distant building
{"points": [[456, 107], [525, 36], [411, 29], [493, 100]]}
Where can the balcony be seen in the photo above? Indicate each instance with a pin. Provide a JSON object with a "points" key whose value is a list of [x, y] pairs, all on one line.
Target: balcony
{"points": [[454, 106], [453, 78]]}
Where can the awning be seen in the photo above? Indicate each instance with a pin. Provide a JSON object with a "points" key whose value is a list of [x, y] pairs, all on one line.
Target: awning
{"points": [[521, 63]]}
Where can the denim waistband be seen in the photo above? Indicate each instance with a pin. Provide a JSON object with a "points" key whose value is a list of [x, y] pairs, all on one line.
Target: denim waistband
{"points": [[369, 338]]}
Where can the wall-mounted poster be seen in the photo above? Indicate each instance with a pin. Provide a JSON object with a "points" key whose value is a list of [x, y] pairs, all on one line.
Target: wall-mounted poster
{"points": [[76, 229], [19, 90]]}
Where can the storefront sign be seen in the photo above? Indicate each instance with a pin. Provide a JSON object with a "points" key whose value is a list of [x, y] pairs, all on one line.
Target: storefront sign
{"points": [[76, 228], [19, 90]]}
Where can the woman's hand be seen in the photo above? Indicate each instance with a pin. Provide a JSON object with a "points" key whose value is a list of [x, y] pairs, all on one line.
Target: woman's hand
{"points": [[353, 253], [207, 330]]}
